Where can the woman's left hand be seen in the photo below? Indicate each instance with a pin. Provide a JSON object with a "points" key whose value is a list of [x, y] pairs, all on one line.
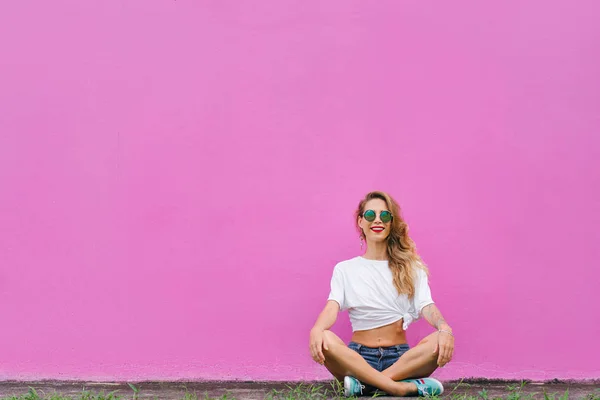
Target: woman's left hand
{"points": [[445, 346]]}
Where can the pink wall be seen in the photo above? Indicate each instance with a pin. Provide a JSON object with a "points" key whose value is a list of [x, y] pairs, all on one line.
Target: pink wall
{"points": [[178, 180]]}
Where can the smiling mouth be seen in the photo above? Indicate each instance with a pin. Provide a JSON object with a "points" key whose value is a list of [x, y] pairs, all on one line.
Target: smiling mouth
{"points": [[377, 229]]}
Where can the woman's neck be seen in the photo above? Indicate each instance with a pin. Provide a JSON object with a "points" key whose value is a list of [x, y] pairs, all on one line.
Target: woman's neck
{"points": [[376, 251]]}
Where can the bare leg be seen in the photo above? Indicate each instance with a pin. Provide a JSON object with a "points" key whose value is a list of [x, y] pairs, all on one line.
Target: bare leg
{"points": [[418, 362], [341, 361]]}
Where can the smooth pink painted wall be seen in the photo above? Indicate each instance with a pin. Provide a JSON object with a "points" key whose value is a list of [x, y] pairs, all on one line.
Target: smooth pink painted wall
{"points": [[178, 180]]}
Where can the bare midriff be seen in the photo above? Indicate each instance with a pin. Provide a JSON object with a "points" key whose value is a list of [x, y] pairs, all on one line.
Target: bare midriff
{"points": [[384, 336]]}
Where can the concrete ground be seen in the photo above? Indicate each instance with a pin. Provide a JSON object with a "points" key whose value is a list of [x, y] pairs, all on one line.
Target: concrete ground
{"points": [[260, 390]]}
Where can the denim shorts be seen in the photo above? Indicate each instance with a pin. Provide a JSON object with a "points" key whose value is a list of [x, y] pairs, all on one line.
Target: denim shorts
{"points": [[380, 358]]}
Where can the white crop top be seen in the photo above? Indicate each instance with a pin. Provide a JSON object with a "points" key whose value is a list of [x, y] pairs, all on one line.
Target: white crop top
{"points": [[366, 289]]}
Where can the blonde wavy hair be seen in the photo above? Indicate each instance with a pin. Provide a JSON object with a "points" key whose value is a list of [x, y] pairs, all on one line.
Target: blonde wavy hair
{"points": [[401, 249]]}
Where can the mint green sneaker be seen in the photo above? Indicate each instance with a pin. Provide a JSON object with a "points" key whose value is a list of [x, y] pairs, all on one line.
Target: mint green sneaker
{"points": [[352, 386], [427, 387]]}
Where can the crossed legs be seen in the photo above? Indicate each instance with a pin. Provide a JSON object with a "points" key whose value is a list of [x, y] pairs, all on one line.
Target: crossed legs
{"points": [[418, 362]]}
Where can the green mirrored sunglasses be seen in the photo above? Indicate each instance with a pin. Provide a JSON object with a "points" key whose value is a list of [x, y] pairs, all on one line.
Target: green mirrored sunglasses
{"points": [[370, 215]]}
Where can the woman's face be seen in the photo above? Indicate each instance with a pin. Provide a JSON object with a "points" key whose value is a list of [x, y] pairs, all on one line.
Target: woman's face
{"points": [[376, 230]]}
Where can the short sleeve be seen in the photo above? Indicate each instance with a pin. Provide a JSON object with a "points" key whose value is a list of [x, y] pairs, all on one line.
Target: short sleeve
{"points": [[422, 291], [337, 288]]}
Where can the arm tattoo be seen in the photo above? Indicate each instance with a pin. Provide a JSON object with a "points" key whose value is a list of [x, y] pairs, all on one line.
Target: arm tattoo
{"points": [[433, 316]]}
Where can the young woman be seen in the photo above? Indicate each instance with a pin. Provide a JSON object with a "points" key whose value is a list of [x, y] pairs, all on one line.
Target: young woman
{"points": [[384, 291]]}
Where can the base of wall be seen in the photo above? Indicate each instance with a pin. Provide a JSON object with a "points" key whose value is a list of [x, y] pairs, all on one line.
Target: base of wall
{"points": [[171, 390]]}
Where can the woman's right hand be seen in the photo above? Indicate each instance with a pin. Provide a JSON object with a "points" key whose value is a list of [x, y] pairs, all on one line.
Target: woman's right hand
{"points": [[317, 344]]}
